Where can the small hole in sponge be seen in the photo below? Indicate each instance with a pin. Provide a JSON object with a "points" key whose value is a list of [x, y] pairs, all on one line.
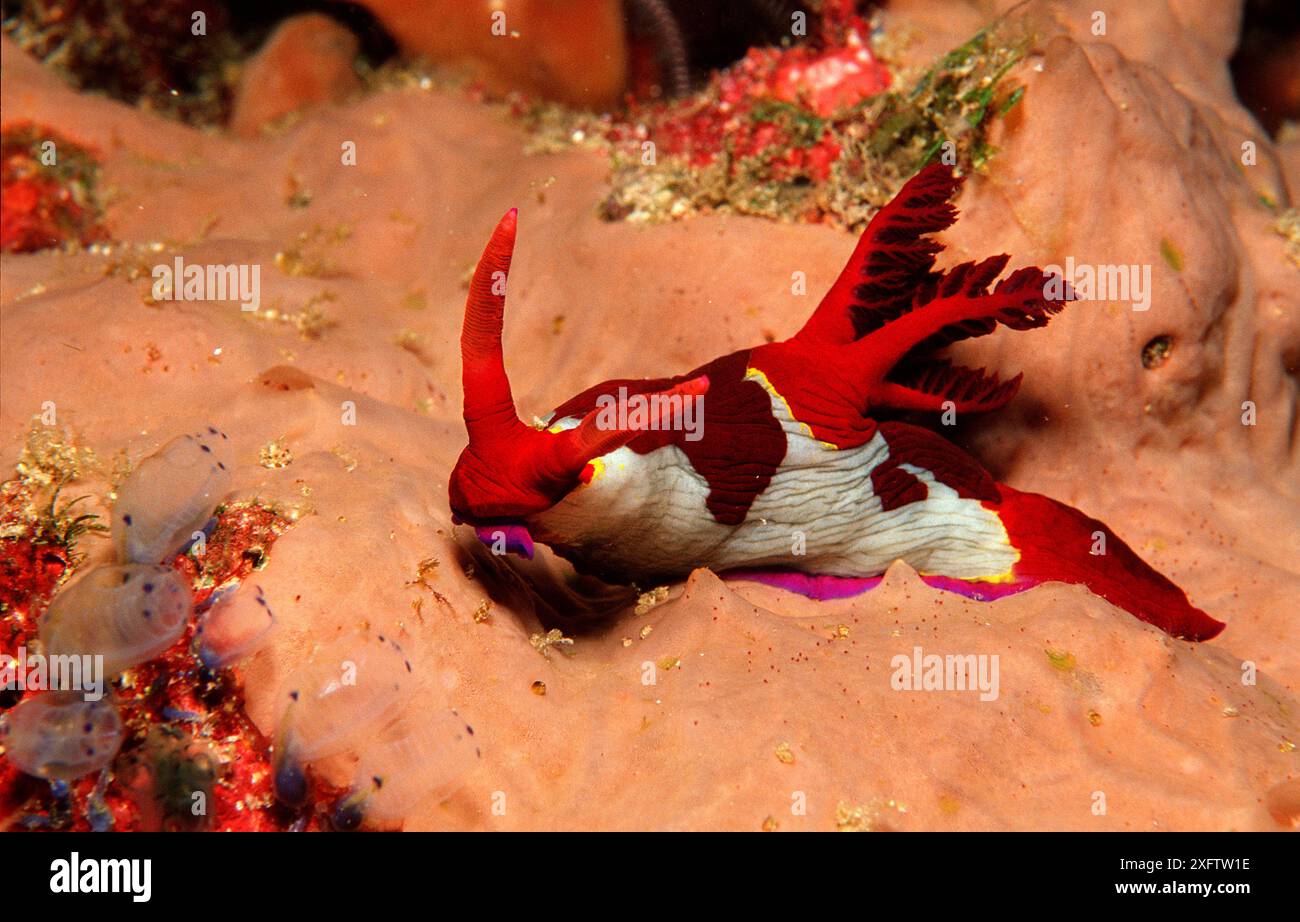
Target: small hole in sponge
{"points": [[1156, 352]]}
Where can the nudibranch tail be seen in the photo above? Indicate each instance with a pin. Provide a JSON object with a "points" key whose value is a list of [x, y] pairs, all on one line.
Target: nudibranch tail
{"points": [[1059, 543]]}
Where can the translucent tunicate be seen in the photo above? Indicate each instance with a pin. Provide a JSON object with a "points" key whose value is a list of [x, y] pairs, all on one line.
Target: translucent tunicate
{"points": [[127, 614], [419, 756], [234, 627], [60, 735], [334, 701], [170, 495], [361, 701]]}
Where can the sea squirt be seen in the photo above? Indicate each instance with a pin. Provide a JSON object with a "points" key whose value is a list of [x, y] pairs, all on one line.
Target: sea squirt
{"points": [[170, 495], [334, 701], [421, 754], [235, 627], [128, 614], [60, 735], [364, 695]]}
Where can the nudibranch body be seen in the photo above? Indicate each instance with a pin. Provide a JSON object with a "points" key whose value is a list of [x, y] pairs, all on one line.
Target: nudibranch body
{"points": [[786, 462]]}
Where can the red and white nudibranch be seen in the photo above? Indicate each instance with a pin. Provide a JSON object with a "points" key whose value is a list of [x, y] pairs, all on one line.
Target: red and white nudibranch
{"points": [[794, 473]]}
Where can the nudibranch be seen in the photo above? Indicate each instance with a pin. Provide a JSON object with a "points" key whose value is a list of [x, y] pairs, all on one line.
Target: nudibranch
{"points": [[787, 462]]}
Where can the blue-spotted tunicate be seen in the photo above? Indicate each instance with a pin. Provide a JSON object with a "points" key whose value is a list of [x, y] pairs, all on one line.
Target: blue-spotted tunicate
{"points": [[334, 701], [235, 627], [127, 614], [171, 495], [60, 735], [363, 700], [423, 754]]}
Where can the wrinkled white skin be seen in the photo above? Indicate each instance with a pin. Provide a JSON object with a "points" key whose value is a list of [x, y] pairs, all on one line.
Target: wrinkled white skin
{"points": [[643, 518], [171, 495], [127, 614], [59, 735]]}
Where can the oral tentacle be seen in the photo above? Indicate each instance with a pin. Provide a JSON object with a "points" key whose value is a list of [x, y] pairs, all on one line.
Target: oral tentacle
{"points": [[593, 437], [509, 538]]}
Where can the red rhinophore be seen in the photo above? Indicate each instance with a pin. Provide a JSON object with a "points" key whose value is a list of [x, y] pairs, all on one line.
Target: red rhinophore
{"points": [[511, 469]]}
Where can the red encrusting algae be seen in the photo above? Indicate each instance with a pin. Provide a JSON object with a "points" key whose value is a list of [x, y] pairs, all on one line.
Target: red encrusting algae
{"points": [[47, 183], [779, 104]]}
